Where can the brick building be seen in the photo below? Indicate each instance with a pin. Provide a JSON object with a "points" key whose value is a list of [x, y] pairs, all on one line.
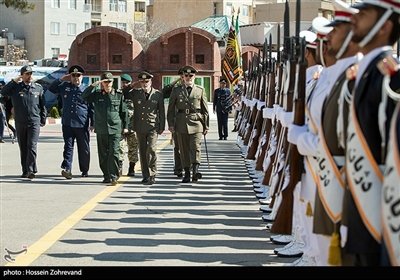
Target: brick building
{"points": [[104, 48]]}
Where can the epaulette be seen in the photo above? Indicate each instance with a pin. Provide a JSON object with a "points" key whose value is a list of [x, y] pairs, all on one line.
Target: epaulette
{"points": [[118, 91], [37, 84], [351, 72], [388, 66]]}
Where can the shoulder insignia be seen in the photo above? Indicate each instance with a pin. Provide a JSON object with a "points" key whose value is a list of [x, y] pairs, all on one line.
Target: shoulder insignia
{"points": [[119, 91], [388, 66], [316, 75], [351, 72]]}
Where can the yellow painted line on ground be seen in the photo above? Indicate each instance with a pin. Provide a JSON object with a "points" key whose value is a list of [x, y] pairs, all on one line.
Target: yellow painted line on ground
{"points": [[51, 237]]}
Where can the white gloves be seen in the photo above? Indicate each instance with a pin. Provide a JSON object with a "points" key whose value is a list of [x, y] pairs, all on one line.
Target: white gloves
{"points": [[294, 132], [343, 235], [286, 118]]}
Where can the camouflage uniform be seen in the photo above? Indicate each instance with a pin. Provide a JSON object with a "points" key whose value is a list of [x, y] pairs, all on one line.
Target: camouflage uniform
{"points": [[129, 141]]}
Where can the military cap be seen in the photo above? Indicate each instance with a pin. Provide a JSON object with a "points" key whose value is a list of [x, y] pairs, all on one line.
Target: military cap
{"points": [[2, 83], [393, 5], [26, 69], [310, 38], [126, 77], [188, 70], [343, 13], [222, 80], [143, 76], [107, 76], [319, 25], [180, 71], [76, 69]]}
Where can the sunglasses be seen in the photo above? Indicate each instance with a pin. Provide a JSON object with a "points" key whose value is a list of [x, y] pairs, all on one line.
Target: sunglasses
{"points": [[144, 81], [106, 82], [188, 75], [76, 75]]}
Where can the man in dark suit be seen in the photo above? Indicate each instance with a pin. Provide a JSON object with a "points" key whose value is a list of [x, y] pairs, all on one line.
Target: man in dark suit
{"points": [[222, 108], [376, 29], [188, 117], [77, 120], [148, 123]]}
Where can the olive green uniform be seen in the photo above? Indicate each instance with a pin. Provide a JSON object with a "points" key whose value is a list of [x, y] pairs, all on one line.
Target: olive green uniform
{"points": [[148, 120], [185, 112], [111, 117]]}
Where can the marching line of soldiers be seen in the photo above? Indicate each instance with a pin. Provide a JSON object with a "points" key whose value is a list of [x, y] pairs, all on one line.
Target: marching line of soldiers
{"points": [[319, 130]]}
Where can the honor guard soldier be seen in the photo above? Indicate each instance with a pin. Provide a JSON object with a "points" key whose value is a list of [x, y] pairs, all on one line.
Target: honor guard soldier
{"points": [[148, 123], [111, 121], [188, 117], [77, 120], [30, 114], [129, 140], [376, 29], [222, 108], [177, 157]]}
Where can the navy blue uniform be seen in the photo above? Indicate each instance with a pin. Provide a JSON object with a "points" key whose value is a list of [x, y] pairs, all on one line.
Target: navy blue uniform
{"points": [[77, 117], [220, 106], [29, 114]]}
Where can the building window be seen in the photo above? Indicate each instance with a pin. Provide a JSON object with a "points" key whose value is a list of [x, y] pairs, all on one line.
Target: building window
{"points": [[91, 59], [174, 59], [245, 10], [71, 29], [55, 3], [117, 58], [113, 24], [122, 26], [199, 58], [228, 8], [72, 4], [122, 6], [140, 7], [55, 28], [55, 52], [113, 6], [87, 25]]}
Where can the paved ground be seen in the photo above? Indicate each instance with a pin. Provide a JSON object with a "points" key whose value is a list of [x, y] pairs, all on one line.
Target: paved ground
{"points": [[82, 222]]}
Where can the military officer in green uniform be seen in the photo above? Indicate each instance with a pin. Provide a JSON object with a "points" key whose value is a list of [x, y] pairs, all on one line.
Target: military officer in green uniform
{"points": [[148, 123], [188, 117], [111, 121], [129, 140]]}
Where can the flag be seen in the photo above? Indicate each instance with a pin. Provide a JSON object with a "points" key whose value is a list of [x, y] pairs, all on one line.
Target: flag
{"points": [[239, 42], [230, 63]]}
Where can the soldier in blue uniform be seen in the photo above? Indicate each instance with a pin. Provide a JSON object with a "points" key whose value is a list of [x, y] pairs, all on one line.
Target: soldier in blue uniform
{"points": [[30, 114], [111, 122], [221, 108], [77, 120]]}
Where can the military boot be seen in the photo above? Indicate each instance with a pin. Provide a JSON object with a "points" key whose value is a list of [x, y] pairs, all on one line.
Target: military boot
{"points": [[131, 171], [120, 167], [186, 178], [196, 174]]}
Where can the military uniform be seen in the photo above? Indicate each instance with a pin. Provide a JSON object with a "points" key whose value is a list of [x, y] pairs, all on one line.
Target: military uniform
{"points": [[110, 118], [222, 109], [148, 122], [77, 118], [188, 115], [129, 140], [29, 113]]}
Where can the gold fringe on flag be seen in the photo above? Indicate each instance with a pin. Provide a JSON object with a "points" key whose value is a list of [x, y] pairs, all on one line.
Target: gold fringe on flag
{"points": [[334, 253]]}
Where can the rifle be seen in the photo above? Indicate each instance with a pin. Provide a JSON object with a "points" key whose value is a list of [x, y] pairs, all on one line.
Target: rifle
{"points": [[258, 124], [283, 220], [245, 108]]}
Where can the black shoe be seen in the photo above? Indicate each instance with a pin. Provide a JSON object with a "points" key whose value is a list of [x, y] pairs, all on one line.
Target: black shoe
{"points": [[152, 180], [85, 174], [178, 173], [145, 180], [106, 181], [24, 175], [224, 138], [235, 130], [67, 174], [30, 175], [2, 140], [220, 138]]}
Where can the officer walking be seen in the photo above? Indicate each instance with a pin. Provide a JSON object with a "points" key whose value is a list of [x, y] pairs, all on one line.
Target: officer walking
{"points": [[30, 114], [177, 156], [222, 108], [111, 121], [148, 122], [188, 117], [77, 120], [2, 114], [129, 140]]}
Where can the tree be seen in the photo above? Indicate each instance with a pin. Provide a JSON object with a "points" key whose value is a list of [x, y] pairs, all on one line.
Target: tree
{"points": [[15, 53], [20, 5], [145, 33]]}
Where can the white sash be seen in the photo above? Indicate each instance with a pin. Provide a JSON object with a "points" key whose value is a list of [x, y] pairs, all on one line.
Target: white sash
{"points": [[391, 196], [364, 177], [311, 161], [331, 181]]}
